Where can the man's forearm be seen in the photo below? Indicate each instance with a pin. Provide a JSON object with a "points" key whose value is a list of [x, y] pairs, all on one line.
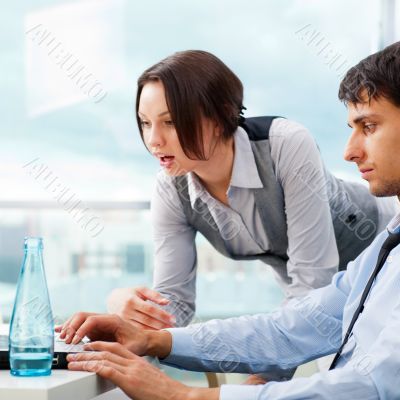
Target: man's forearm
{"points": [[203, 394], [159, 343]]}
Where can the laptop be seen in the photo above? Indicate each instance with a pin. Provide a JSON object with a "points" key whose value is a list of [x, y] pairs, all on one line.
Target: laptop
{"points": [[61, 349]]}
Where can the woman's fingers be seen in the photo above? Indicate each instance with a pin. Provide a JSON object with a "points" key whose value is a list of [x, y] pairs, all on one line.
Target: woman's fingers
{"points": [[141, 326], [153, 312], [138, 305], [149, 294], [147, 318], [254, 380]]}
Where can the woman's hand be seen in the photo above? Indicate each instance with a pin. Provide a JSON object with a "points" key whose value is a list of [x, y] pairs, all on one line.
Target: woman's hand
{"points": [[133, 304], [111, 328], [254, 380], [134, 375]]}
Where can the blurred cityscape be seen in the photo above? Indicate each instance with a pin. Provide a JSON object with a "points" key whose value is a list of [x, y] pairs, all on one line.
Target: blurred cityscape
{"points": [[82, 270], [93, 147]]}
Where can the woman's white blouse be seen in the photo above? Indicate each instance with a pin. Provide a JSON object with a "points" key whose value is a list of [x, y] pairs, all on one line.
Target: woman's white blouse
{"points": [[312, 251]]}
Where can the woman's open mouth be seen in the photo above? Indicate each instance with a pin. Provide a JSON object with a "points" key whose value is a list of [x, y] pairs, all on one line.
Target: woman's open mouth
{"points": [[167, 161]]}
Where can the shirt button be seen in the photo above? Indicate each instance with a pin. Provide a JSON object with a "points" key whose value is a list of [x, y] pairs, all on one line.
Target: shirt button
{"points": [[389, 259]]}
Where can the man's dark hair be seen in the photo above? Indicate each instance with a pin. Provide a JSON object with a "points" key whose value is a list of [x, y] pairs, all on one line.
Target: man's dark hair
{"points": [[376, 76], [197, 84]]}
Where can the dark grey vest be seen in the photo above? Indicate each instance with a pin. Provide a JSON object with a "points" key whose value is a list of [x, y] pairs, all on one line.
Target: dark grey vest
{"points": [[353, 209]]}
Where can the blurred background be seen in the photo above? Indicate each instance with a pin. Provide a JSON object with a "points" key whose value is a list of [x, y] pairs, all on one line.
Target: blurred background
{"points": [[73, 167]]}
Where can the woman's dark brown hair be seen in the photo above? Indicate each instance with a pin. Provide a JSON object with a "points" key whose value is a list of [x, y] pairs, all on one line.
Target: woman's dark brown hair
{"points": [[197, 84]]}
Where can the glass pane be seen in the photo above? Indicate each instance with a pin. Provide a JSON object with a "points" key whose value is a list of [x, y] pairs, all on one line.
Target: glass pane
{"points": [[68, 133]]}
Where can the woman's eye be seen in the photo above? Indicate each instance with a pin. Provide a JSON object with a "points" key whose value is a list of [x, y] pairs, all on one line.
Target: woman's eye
{"points": [[169, 123], [144, 124]]}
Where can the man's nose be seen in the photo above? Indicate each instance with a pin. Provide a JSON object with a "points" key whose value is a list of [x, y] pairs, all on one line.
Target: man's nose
{"points": [[354, 149]]}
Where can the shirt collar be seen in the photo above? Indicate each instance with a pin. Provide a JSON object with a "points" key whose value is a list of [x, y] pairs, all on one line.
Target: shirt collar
{"points": [[394, 224], [195, 188], [244, 171]]}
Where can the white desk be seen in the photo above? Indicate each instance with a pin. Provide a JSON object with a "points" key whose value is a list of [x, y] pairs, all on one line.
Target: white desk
{"points": [[60, 385]]}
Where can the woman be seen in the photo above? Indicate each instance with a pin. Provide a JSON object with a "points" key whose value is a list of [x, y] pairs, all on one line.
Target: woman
{"points": [[255, 188]]}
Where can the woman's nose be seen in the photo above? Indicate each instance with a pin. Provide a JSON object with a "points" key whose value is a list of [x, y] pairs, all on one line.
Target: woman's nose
{"points": [[155, 138]]}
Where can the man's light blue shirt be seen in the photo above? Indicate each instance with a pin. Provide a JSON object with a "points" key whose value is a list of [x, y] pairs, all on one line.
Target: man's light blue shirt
{"points": [[307, 329]]}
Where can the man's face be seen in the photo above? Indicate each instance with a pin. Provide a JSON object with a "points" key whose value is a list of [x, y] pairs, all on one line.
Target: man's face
{"points": [[374, 144]]}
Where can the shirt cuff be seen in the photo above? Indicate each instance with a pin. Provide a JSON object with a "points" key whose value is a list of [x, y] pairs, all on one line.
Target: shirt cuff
{"points": [[182, 344], [240, 392]]}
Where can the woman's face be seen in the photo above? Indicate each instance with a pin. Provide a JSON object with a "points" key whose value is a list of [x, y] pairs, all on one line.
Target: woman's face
{"points": [[160, 136]]}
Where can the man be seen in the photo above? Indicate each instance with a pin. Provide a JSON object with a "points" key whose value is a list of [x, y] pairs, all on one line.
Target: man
{"points": [[357, 309]]}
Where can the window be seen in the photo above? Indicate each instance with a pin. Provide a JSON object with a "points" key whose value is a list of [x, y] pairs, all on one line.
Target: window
{"points": [[69, 70]]}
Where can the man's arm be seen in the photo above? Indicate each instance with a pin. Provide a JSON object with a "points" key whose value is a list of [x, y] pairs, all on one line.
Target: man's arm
{"points": [[340, 384], [372, 373], [303, 330], [134, 375]]}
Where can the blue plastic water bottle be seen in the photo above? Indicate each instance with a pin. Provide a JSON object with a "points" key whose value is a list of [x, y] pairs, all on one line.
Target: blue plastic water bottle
{"points": [[32, 326]]}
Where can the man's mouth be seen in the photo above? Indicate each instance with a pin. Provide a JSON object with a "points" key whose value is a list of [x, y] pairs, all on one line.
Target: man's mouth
{"points": [[366, 172]]}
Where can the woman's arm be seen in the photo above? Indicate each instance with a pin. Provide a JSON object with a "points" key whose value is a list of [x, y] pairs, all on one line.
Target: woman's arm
{"points": [[312, 251], [175, 259], [172, 302]]}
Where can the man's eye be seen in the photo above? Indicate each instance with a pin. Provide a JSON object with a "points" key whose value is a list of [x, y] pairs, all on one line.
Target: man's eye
{"points": [[369, 128]]}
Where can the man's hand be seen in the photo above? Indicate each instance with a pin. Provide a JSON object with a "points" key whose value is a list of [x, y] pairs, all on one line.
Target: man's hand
{"points": [[134, 375], [135, 304], [112, 328]]}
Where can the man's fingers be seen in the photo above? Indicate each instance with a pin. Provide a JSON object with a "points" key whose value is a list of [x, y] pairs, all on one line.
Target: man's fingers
{"points": [[96, 366], [73, 325], [115, 376], [98, 356], [112, 347], [64, 327], [149, 294], [68, 329], [102, 323]]}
